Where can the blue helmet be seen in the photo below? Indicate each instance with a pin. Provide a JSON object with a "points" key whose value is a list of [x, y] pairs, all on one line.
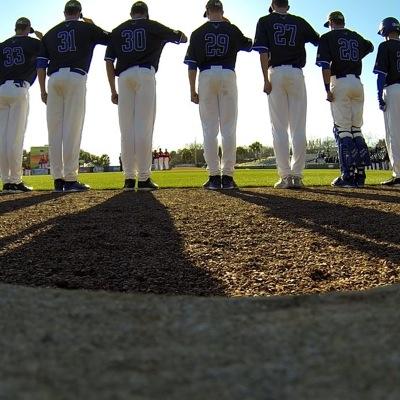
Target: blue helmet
{"points": [[388, 25]]}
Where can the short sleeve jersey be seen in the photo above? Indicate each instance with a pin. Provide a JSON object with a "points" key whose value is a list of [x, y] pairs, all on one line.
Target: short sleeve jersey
{"points": [[71, 44], [216, 43], [18, 59], [388, 61], [139, 42], [342, 51], [284, 36]]}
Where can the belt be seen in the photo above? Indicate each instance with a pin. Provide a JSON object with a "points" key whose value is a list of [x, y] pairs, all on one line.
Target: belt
{"points": [[76, 70], [148, 66], [221, 66], [18, 82], [338, 76], [287, 65]]}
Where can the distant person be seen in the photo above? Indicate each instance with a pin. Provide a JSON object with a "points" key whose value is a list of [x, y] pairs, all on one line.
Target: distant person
{"points": [[155, 160], [387, 67], [137, 45], [340, 55], [160, 159], [17, 74], [213, 50], [167, 158], [66, 55]]}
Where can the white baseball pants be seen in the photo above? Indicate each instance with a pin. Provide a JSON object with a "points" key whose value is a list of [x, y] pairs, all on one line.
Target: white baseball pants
{"points": [[288, 109], [137, 111], [392, 125], [347, 107], [14, 109], [65, 116], [166, 163], [218, 101]]}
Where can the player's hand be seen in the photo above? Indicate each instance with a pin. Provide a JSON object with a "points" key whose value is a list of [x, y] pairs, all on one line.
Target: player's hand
{"points": [[39, 35], [267, 87], [184, 38], [114, 98], [44, 97], [87, 20], [382, 105], [194, 98], [330, 97]]}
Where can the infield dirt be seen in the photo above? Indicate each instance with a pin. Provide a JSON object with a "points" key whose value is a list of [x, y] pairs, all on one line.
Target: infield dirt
{"points": [[252, 242]]}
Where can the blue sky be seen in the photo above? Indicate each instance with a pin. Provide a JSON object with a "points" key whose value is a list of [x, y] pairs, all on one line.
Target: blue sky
{"points": [[177, 121]]}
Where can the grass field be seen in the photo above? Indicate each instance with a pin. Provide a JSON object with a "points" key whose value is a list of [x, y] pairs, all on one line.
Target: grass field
{"points": [[195, 177]]}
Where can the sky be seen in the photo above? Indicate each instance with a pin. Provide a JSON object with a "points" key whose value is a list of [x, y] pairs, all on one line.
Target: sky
{"points": [[178, 122]]}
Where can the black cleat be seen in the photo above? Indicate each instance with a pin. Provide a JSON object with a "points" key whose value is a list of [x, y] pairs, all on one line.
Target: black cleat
{"points": [[359, 179], [342, 182], [59, 185], [393, 182], [228, 183], [214, 183], [19, 188], [147, 185], [129, 185], [75, 186], [6, 188]]}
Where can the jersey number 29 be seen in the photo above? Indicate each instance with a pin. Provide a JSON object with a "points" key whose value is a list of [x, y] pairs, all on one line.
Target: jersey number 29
{"points": [[216, 45]]}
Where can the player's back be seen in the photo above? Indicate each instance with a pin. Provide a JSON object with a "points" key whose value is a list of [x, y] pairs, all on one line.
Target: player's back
{"points": [[284, 36], [345, 49], [388, 61], [19, 55], [217, 43], [71, 44]]}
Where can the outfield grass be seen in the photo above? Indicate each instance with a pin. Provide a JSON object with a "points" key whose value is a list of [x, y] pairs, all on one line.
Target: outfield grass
{"points": [[189, 178]]}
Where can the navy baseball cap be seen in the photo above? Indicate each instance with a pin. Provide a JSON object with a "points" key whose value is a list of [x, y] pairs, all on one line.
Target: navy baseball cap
{"points": [[213, 4], [140, 7], [73, 5], [335, 16], [23, 23]]}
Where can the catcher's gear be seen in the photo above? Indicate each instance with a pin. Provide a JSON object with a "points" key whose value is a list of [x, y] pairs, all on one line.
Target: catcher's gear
{"points": [[388, 25], [347, 151], [362, 159]]}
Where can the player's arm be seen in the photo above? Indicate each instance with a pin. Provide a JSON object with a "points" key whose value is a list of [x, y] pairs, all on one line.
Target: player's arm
{"points": [[326, 76], [261, 44], [41, 72], [42, 63], [264, 61], [324, 59], [380, 69], [191, 62], [111, 80]]}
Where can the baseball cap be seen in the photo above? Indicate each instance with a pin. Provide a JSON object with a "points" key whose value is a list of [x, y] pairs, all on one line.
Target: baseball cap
{"points": [[73, 4], [22, 23], [336, 16], [213, 4], [141, 7]]}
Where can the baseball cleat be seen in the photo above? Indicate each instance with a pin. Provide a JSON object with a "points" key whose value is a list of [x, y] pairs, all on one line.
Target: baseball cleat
{"points": [[341, 182], [297, 182], [284, 183], [392, 182], [214, 183], [129, 185], [59, 185], [227, 183], [6, 188], [75, 186], [147, 185], [359, 179], [19, 188]]}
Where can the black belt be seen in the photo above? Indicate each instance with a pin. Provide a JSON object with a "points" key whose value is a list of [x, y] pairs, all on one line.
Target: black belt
{"points": [[222, 66], [287, 65], [76, 70], [17, 82], [338, 76]]}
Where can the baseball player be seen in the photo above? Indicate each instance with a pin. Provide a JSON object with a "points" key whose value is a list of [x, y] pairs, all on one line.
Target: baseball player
{"points": [[155, 160], [166, 159], [18, 56], [280, 40], [66, 55], [213, 50], [137, 45], [340, 55], [161, 159], [387, 67]]}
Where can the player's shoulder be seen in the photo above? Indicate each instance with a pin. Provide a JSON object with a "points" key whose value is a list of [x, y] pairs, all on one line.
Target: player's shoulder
{"points": [[122, 26], [265, 19]]}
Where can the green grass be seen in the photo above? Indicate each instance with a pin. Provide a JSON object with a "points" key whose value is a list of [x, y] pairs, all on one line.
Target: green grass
{"points": [[188, 178]]}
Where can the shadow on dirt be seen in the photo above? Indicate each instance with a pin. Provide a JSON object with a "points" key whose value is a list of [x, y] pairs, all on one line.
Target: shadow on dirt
{"points": [[364, 229], [128, 243]]}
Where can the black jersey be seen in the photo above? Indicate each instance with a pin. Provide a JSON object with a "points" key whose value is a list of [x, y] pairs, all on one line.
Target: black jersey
{"points": [[216, 43], [71, 44], [284, 36], [18, 59], [341, 51], [388, 61], [139, 42]]}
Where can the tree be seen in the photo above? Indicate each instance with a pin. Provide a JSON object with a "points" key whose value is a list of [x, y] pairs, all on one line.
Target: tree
{"points": [[256, 148]]}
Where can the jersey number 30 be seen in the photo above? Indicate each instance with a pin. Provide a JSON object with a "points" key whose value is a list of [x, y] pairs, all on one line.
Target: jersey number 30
{"points": [[133, 40], [13, 56], [216, 45]]}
